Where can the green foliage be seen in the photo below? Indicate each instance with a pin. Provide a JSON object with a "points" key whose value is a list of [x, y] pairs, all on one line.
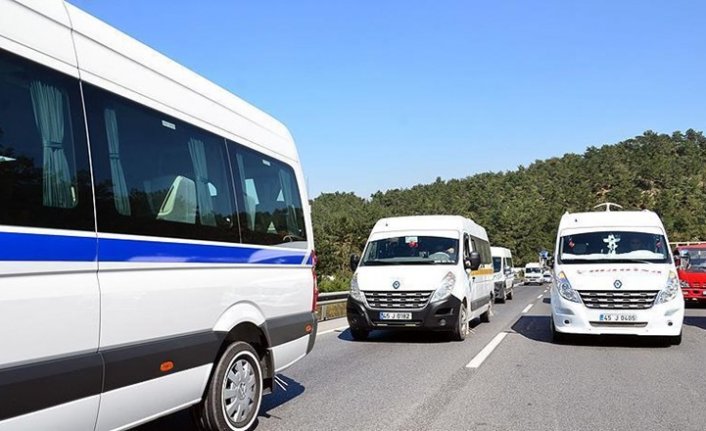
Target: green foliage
{"points": [[521, 209]]}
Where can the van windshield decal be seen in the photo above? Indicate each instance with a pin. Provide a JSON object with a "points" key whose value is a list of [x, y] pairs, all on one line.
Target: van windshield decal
{"points": [[613, 247], [408, 250]]}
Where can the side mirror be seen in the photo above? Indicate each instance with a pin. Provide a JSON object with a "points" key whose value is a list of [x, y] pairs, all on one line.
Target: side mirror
{"points": [[355, 260], [474, 261]]}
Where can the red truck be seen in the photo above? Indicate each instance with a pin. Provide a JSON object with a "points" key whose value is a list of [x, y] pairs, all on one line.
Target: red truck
{"points": [[691, 268]]}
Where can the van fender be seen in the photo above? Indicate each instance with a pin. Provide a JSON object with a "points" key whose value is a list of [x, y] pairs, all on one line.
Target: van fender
{"points": [[242, 312]]}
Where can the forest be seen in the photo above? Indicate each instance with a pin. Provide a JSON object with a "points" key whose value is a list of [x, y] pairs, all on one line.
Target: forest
{"points": [[521, 208]]}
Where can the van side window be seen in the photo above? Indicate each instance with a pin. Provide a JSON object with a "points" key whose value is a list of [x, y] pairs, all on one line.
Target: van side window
{"points": [[270, 206], [483, 248], [155, 175], [44, 175]]}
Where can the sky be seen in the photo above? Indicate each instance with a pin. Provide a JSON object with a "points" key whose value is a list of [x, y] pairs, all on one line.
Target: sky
{"points": [[390, 94]]}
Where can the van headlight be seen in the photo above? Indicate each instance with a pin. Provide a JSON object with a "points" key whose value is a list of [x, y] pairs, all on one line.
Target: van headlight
{"points": [[670, 291], [447, 286], [565, 290], [355, 289]]}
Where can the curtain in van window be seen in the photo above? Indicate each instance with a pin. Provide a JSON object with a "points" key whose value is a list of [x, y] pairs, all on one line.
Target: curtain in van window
{"points": [[48, 106], [286, 182], [120, 192], [203, 194], [248, 201]]}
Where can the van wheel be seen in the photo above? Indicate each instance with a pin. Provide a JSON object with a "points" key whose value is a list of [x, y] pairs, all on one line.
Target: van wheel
{"points": [[674, 340], [461, 330], [485, 317], [359, 334], [557, 337], [234, 393], [502, 296]]}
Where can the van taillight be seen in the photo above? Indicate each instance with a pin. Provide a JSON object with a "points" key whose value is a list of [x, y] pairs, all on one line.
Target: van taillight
{"points": [[314, 301]]}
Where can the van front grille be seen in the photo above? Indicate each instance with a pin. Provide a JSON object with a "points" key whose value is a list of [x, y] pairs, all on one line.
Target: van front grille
{"points": [[397, 300], [626, 300]]}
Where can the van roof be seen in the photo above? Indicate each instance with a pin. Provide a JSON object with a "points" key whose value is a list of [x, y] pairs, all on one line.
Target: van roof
{"points": [[106, 54], [533, 265], [430, 222], [628, 219], [500, 252]]}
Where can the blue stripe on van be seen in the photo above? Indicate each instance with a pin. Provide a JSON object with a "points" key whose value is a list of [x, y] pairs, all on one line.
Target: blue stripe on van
{"points": [[119, 250], [59, 248]]}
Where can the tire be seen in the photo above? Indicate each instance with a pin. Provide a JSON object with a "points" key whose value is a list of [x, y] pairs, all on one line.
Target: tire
{"points": [[557, 337], [502, 296], [234, 392], [485, 317], [359, 334], [461, 330], [674, 340]]}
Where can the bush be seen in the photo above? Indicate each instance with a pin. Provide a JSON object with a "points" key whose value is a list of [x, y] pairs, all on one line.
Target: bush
{"points": [[334, 283]]}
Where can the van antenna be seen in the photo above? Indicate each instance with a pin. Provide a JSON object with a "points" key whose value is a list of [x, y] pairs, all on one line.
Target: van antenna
{"points": [[608, 206]]}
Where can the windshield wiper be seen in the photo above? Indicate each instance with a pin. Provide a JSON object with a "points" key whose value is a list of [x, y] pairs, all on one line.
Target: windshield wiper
{"points": [[377, 262]]}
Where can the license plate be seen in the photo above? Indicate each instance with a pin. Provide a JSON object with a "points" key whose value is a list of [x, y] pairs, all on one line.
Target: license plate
{"points": [[386, 315], [616, 317]]}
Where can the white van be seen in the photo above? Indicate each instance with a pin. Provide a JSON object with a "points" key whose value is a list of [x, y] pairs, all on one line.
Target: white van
{"points": [[614, 274], [156, 248], [422, 272], [503, 276], [533, 273]]}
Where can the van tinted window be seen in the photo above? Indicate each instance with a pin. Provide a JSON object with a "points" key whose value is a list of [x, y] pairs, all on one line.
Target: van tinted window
{"points": [[155, 175], [271, 211], [44, 175]]}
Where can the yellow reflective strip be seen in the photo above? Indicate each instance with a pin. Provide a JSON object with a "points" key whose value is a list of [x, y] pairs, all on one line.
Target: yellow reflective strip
{"points": [[485, 271]]}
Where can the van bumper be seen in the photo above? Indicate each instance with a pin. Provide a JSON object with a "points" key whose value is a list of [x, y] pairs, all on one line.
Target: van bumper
{"points": [[435, 316], [659, 320]]}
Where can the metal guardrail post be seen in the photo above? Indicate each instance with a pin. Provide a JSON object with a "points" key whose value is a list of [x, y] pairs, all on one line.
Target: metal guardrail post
{"points": [[330, 298]]}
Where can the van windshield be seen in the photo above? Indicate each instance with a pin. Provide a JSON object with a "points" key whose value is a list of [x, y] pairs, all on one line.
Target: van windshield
{"points": [[533, 270], [613, 247], [411, 250]]}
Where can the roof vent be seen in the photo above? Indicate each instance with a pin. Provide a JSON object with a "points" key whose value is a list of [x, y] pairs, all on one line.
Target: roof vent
{"points": [[608, 206]]}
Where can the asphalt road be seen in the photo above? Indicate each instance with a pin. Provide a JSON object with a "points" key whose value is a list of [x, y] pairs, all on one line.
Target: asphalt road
{"points": [[420, 381]]}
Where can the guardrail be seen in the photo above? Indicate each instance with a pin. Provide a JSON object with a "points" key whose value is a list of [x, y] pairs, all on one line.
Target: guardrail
{"points": [[333, 298], [330, 298]]}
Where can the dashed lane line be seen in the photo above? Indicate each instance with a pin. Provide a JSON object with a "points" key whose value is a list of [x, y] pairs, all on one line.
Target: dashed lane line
{"points": [[339, 329], [477, 361]]}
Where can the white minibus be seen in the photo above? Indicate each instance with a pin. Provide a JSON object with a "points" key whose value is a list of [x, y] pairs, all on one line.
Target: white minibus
{"points": [[614, 274], [533, 274], [503, 277], [156, 247], [422, 272]]}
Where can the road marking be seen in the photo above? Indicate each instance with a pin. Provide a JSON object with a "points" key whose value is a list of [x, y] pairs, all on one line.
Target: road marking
{"points": [[339, 329], [540, 297], [487, 350], [527, 308]]}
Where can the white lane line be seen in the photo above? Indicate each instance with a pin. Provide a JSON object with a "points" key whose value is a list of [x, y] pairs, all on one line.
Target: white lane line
{"points": [[527, 308], [540, 297], [487, 350], [339, 329]]}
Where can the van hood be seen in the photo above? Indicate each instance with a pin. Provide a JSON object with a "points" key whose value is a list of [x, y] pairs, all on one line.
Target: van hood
{"points": [[409, 277], [617, 276]]}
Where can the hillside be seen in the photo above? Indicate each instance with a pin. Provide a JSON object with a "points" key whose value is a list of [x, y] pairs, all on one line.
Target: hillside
{"points": [[521, 208]]}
